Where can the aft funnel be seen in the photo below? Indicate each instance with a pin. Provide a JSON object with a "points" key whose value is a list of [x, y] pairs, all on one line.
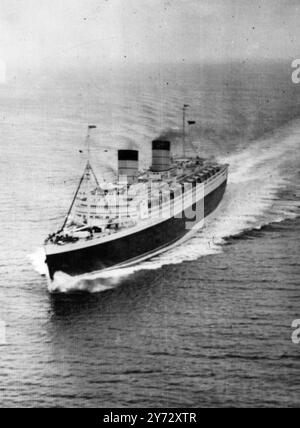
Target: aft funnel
{"points": [[128, 167], [161, 155]]}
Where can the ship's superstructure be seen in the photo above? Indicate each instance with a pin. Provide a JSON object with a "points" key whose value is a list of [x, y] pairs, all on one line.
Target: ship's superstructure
{"points": [[139, 214]]}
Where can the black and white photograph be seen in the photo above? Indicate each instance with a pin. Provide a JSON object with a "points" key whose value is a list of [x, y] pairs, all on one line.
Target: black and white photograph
{"points": [[149, 206]]}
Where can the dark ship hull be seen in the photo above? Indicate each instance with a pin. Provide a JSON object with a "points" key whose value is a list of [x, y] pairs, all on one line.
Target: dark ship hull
{"points": [[133, 247]]}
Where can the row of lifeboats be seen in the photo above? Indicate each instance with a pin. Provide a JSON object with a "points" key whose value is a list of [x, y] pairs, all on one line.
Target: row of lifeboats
{"points": [[204, 175]]}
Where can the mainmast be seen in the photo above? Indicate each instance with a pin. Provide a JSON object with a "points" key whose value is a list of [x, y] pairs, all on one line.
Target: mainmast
{"points": [[88, 172], [185, 107]]}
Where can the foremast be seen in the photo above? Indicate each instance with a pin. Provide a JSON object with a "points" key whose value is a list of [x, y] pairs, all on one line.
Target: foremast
{"points": [[86, 177]]}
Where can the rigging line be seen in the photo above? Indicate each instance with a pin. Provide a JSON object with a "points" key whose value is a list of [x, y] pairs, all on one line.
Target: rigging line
{"points": [[191, 144], [94, 175], [74, 199]]}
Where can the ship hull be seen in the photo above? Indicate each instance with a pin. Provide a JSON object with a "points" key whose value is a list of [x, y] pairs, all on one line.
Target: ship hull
{"points": [[134, 247]]}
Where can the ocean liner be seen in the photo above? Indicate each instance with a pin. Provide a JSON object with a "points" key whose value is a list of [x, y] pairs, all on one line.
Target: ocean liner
{"points": [[138, 215]]}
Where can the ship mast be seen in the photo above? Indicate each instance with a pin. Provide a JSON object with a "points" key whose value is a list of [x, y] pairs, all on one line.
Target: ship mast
{"points": [[88, 173], [88, 142], [185, 107]]}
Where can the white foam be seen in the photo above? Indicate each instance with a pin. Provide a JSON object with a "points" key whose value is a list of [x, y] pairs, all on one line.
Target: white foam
{"points": [[93, 283], [37, 259]]}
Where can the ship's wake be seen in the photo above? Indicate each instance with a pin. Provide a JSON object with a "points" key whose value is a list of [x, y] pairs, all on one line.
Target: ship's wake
{"points": [[262, 189]]}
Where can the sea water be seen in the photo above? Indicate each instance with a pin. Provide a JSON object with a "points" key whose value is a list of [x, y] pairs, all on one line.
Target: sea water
{"points": [[207, 323]]}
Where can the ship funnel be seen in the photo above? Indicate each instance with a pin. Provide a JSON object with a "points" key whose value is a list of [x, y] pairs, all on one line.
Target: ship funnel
{"points": [[161, 155], [128, 165]]}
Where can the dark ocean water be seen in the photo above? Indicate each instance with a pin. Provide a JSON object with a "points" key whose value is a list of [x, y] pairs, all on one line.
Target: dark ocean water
{"points": [[206, 324]]}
